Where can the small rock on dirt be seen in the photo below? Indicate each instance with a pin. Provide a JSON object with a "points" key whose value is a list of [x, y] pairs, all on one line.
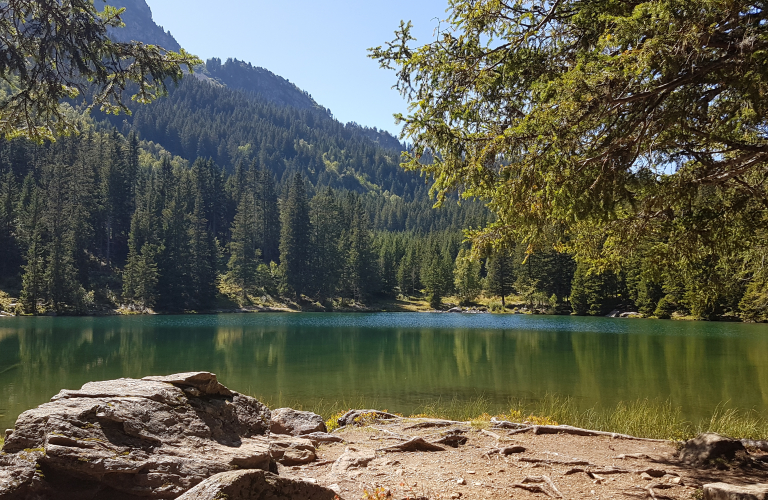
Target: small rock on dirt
{"points": [[352, 459], [296, 423], [291, 450]]}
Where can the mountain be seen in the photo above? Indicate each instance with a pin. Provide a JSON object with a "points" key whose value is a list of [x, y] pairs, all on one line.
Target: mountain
{"points": [[139, 25], [240, 75]]}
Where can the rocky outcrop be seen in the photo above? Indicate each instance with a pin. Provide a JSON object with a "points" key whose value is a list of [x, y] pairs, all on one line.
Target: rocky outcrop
{"points": [[723, 491], [296, 423], [140, 26], [255, 485], [151, 438], [706, 448]]}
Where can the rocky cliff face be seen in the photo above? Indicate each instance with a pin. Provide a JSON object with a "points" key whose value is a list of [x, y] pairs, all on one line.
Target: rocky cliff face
{"points": [[139, 25], [240, 75]]}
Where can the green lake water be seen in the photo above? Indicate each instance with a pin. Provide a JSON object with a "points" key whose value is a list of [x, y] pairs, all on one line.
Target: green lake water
{"points": [[400, 360]]}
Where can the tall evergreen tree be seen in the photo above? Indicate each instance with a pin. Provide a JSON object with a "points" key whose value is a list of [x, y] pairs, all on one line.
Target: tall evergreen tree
{"points": [[268, 216], [243, 254], [500, 279], [141, 273], [33, 284], [295, 244], [467, 280], [361, 276], [59, 275], [327, 261]]}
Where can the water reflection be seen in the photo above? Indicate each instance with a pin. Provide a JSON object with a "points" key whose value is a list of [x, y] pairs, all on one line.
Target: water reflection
{"points": [[400, 360]]}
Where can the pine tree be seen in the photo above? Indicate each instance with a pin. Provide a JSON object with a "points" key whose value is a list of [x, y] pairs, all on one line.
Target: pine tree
{"points": [[174, 263], [409, 271], [268, 217], [59, 275], [361, 276], [203, 254], [141, 273], [327, 262], [295, 244], [33, 284], [244, 256], [9, 251], [500, 279], [467, 278], [593, 292]]}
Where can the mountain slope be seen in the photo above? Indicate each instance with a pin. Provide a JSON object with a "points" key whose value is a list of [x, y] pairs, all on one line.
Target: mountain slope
{"points": [[140, 26]]}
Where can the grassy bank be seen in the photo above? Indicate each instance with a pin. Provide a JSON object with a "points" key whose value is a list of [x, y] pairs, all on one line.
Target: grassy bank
{"points": [[641, 418]]}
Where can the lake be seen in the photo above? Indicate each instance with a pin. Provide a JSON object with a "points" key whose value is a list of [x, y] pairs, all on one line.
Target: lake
{"points": [[400, 360]]}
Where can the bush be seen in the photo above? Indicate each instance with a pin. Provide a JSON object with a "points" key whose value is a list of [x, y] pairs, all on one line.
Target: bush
{"points": [[665, 307], [495, 306]]}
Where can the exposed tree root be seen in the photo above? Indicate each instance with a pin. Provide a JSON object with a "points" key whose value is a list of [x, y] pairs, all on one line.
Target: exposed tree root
{"points": [[415, 444], [539, 484]]}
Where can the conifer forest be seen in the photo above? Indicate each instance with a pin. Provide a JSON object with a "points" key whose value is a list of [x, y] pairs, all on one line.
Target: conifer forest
{"points": [[216, 197]]}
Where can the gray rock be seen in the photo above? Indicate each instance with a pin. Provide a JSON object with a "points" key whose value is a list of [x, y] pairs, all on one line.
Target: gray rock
{"points": [[256, 485], [291, 450], [356, 416], [759, 445], [707, 447], [140, 438], [296, 423], [352, 459], [723, 491]]}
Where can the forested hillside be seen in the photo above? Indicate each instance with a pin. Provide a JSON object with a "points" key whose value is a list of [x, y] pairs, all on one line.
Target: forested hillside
{"points": [[238, 188]]}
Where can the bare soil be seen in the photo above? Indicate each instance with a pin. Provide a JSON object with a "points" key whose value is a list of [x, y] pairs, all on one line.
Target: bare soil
{"points": [[614, 467]]}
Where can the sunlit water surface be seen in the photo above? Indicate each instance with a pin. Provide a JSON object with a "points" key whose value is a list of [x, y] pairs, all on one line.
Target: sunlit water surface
{"points": [[399, 360]]}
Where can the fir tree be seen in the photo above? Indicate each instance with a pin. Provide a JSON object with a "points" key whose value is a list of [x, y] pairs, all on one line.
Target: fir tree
{"points": [[268, 216], [467, 279], [327, 262], [500, 279], [295, 250], [244, 256], [203, 254], [33, 284]]}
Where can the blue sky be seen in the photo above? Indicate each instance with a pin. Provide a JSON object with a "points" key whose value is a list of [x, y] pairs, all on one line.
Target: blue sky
{"points": [[319, 46]]}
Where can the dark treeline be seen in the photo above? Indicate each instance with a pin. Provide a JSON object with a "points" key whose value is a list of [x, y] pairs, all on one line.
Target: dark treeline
{"points": [[107, 219]]}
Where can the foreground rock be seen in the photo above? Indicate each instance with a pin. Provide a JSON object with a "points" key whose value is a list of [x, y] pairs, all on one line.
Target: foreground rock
{"points": [[709, 447], [151, 438], [255, 485], [722, 491], [296, 423]]}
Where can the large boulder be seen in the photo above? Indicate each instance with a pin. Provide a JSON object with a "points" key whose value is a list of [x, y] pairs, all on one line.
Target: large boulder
{"points": [[256, 485], [296, 423], [151, 438], [709, 447], [723, 491]]}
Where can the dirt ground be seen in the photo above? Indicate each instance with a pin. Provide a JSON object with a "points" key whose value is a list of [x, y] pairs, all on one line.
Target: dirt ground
{"points": [[578, 467]]}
